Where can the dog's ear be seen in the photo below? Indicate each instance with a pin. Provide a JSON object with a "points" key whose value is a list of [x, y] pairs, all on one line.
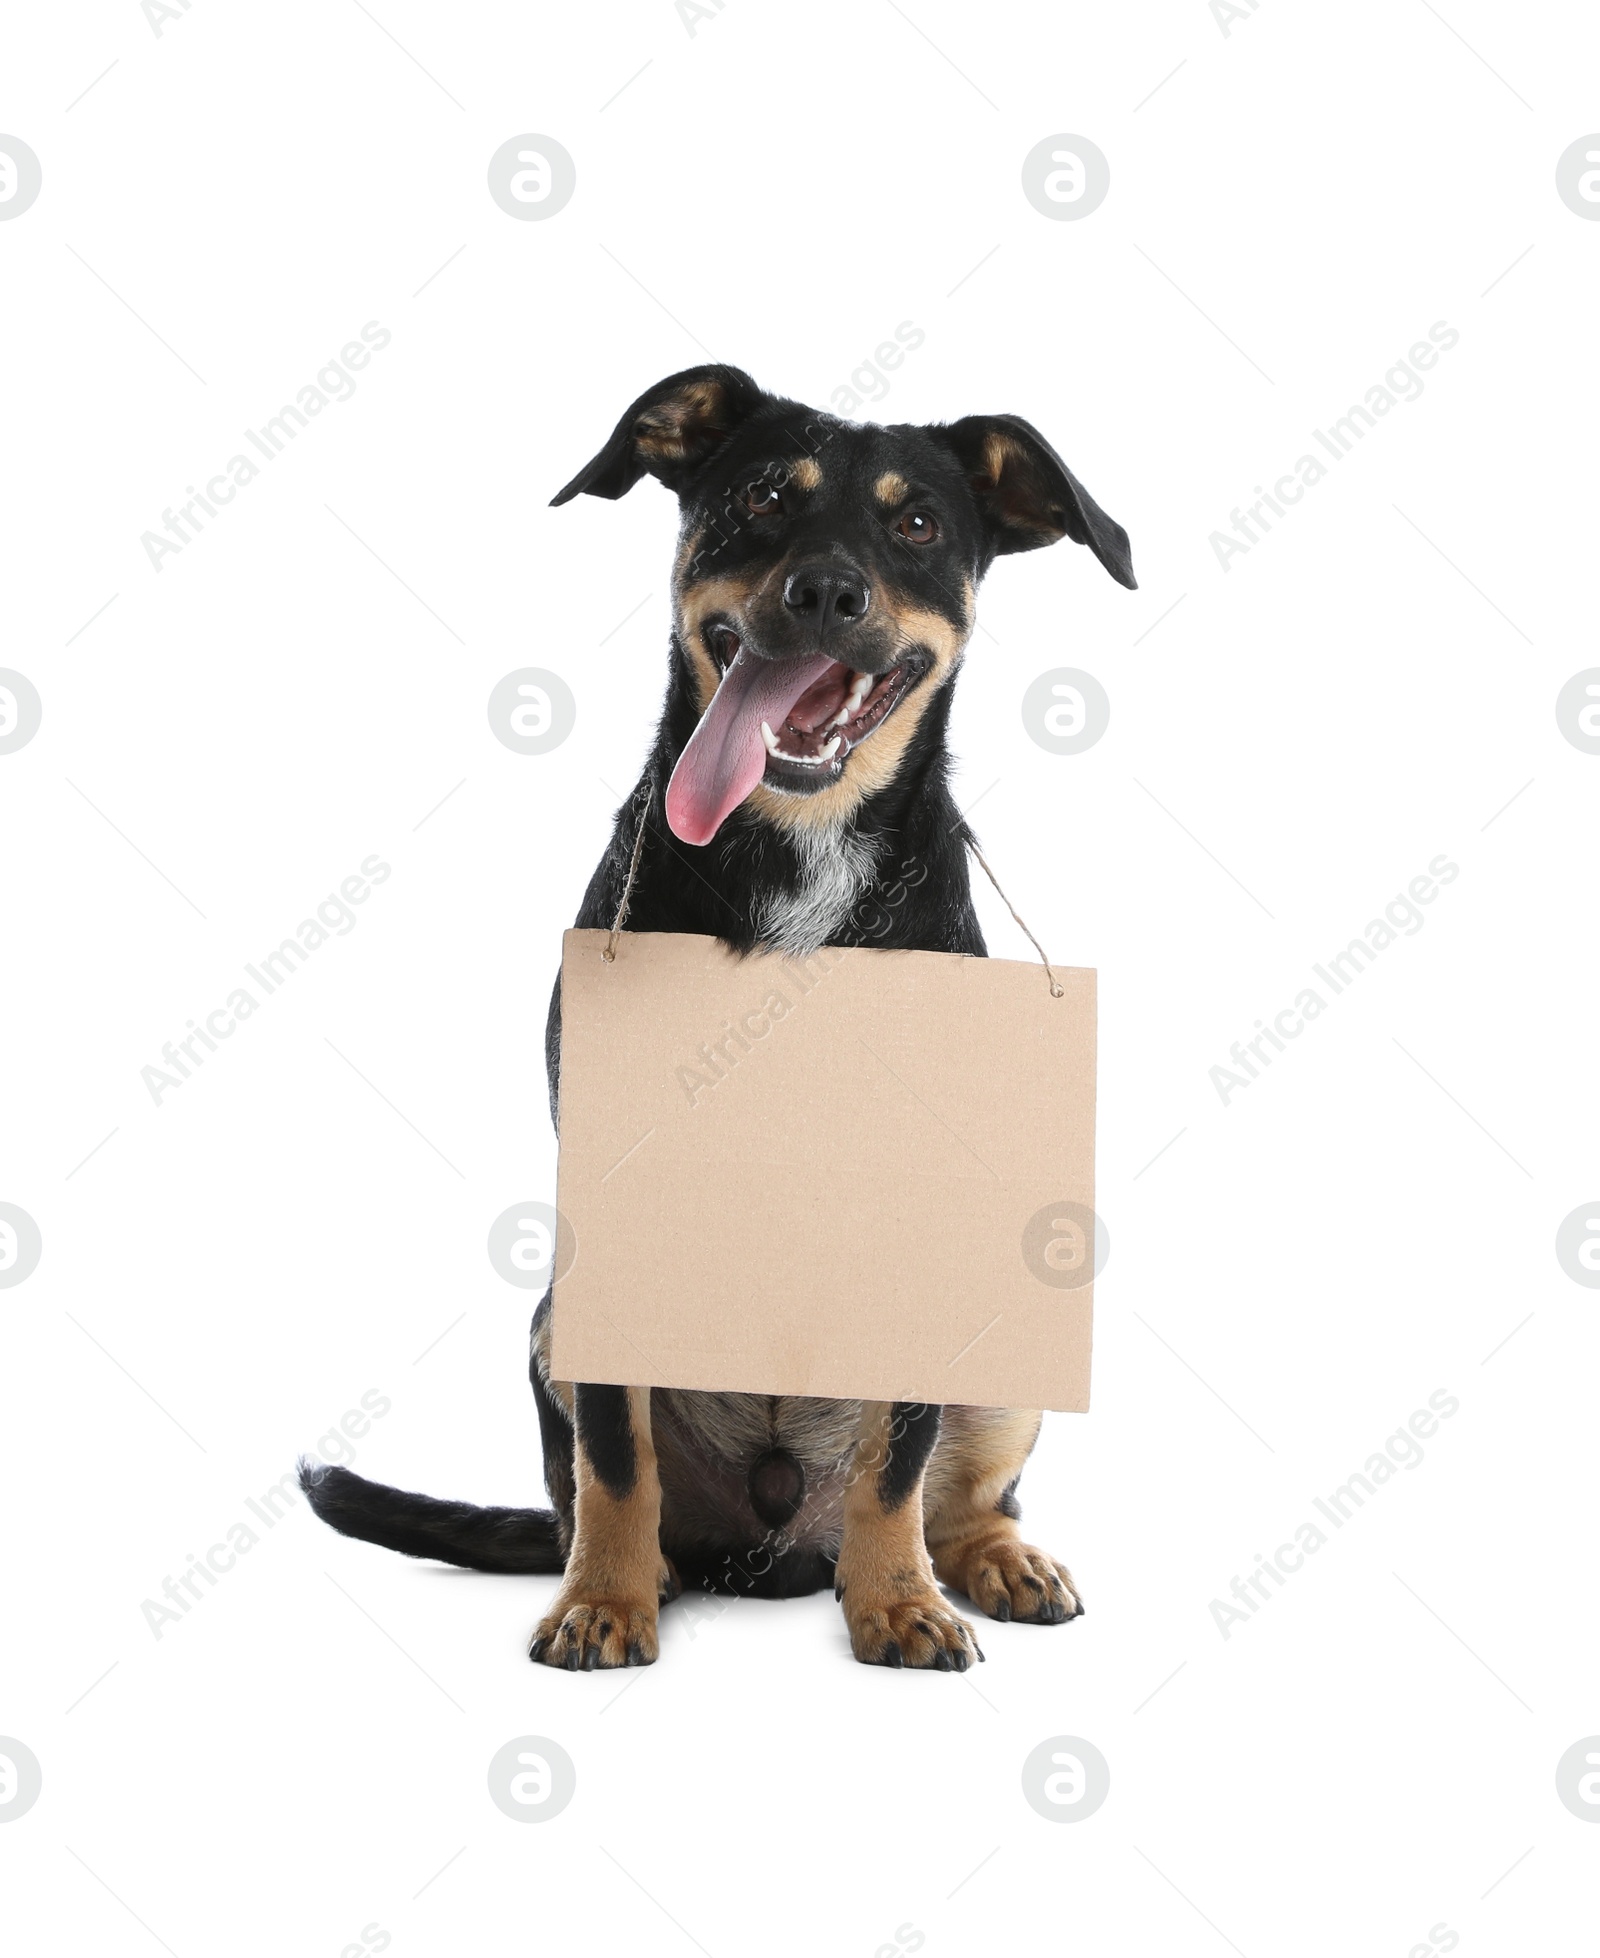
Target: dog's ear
{"points": [[1028, 495], [669, 431]]}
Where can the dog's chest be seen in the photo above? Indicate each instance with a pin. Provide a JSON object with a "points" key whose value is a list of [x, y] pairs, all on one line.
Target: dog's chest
{"points": [[835, 867]]}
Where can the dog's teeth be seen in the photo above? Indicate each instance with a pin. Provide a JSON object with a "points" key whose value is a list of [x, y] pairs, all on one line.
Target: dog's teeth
{"points": [[860, 687], [824, 754]]}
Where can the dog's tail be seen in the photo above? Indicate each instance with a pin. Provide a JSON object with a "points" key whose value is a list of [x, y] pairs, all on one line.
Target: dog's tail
{"points": [[514, 1540]]}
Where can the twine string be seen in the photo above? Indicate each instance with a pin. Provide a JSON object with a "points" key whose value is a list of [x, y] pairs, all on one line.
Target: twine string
{"points": [[1057, 990], [609, 950]]}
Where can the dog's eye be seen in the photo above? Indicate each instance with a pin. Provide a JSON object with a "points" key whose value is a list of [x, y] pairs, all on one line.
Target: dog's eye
{"points": [[917, 527], [761, 499]]}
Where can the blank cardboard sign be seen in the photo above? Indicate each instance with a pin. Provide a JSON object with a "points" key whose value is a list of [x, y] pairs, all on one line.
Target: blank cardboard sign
{"points": [[868, 1175]]}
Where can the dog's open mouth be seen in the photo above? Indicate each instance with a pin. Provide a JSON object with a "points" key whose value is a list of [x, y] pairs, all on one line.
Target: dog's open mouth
{"points": [[790, 722]]}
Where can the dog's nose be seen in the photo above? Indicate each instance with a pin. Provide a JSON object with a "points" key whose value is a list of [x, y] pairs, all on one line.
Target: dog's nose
{"points": [[826, 594]]}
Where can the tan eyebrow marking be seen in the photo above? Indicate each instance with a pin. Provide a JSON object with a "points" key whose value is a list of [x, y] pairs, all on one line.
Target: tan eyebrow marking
{"points": [[891, 487], [805, 472]]}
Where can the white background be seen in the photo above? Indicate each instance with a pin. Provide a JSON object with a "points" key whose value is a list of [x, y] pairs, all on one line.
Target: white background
{"points": [[1291, 742]]}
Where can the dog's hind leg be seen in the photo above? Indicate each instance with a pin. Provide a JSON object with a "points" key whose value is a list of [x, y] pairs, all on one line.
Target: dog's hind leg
{"points": [[605, 1613], [970, 1519], [892, 1606]]}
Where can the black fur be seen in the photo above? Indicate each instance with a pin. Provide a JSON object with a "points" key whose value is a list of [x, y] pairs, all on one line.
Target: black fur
{"points": [[606, 1435], [987, 486], [514, 1540], [913, 1429], [555, 1433]]}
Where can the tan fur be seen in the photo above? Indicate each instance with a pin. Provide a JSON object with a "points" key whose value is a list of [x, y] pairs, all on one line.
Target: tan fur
{"points": [[694, 607], [980, 1450], [662, 431], [688, 545], [805, 472], [1002, 459], [999, 453], [975, 1549], [891, 487], [889, 1595], [562, 1389], [616, 1575], [876, 762]]}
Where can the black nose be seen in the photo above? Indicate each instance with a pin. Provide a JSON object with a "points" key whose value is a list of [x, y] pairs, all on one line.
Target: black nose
{"points": [[826, 594]]}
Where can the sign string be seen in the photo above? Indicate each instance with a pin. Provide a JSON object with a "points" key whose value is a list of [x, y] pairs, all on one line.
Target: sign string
{"points": [[608, 951]]}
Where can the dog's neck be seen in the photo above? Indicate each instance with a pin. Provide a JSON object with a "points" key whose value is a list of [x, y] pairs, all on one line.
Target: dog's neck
{"points": [[892, 873]]}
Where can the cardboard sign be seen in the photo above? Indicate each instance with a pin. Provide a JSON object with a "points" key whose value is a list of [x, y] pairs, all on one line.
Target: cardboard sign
{"points": [[867, 1175]]}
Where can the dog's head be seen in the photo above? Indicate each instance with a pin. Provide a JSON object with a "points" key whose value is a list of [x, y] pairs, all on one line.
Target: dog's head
{"points": [[825, 579]]}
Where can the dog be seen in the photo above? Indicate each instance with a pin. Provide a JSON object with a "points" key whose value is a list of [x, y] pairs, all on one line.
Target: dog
{"points": [[823, 592]]}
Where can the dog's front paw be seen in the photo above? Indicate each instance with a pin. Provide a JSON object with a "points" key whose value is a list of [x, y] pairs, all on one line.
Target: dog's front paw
{"points": [[583, 1633], [919, 1630], [1012, 1580]]}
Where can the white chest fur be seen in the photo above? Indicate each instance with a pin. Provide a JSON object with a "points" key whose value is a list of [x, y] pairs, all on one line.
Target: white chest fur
{"points": [[836, 866]]}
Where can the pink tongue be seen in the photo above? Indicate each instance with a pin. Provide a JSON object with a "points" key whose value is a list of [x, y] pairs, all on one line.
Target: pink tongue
{"points": [[726, 755]]}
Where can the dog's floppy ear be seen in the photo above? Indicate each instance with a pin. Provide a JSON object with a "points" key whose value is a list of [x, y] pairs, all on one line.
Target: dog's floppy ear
{"points": [[1029, 496], [669, 431]]}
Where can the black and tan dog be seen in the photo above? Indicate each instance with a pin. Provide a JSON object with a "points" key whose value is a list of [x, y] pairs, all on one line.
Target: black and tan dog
{"points": [[823, 592]]}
